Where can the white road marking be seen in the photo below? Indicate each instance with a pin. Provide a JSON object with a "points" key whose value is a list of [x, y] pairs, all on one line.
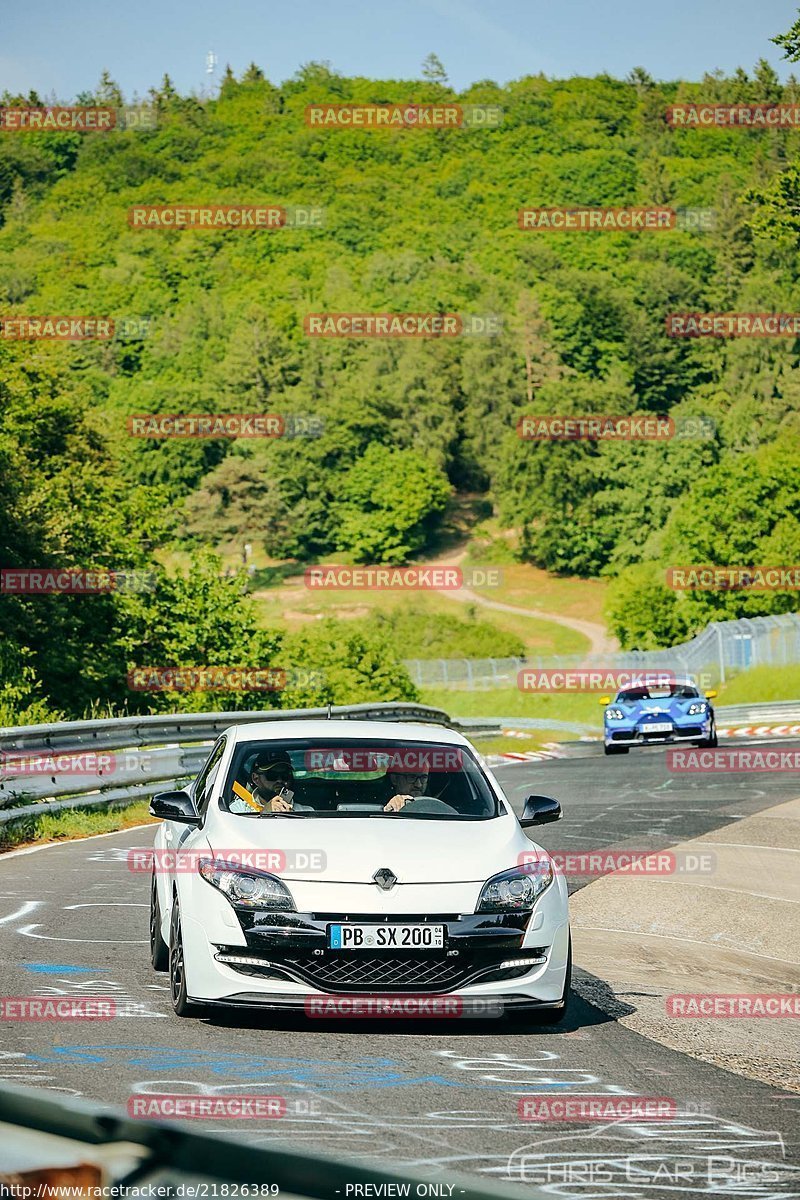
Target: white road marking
{"points": [[28, 931], [27, 907]]}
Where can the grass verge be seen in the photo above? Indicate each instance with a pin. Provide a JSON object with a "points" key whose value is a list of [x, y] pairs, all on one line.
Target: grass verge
{"points": [[583, 707], [71, 824]]}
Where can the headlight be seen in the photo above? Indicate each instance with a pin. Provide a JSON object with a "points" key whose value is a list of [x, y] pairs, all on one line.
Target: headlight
{"points": [[697, 710], [516, 890], [615, 714], [247, 889]]}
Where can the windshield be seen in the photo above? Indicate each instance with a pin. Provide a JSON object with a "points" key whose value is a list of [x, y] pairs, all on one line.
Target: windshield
{"points": [[339, 777], [671, 691]]}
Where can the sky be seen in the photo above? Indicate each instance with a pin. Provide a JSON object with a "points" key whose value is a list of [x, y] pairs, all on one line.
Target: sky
{"points": [[61, 46]]}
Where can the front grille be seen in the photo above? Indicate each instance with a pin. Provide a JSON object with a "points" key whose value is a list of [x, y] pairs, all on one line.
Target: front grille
{"points": [[355, 972], [349, 972]]}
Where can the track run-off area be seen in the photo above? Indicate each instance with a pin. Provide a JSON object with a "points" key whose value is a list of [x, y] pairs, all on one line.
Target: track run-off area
{"points": [[439, 1096]]}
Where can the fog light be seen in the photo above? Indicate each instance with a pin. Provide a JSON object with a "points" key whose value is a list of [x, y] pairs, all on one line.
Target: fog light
{"points": [[241, 960], [522, 962]]}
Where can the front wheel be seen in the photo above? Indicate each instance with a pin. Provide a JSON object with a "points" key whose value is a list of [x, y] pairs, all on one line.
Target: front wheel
{"points": [[712, 741], [159, 950], [181, 1004]]}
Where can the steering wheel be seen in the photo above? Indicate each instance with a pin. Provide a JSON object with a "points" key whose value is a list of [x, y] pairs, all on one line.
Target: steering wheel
{"points": [[431, 805]]}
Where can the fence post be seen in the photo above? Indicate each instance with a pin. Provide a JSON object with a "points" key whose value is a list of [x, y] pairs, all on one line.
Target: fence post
{"points": [[721, 655]]}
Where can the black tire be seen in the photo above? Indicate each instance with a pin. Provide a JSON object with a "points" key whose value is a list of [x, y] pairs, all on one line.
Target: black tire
{"points": [[181, 1004], [616, 749], [549, 1016], [159, 950], [712, 741]]}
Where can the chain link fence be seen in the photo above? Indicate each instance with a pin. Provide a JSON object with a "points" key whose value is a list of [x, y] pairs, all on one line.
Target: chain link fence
{"points": [[722, 649]]}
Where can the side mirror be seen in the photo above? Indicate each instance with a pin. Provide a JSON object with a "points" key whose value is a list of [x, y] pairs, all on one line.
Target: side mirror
{"points": [[539, 810], [710, 695], [604, 700], [174, 806]]}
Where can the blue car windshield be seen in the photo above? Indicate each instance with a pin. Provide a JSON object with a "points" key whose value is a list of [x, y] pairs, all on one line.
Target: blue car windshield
{"points": [[672, 691]]}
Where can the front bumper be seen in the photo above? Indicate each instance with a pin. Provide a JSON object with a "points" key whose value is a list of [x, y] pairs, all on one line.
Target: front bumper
{"points": [[640, 736], [284, 960]]}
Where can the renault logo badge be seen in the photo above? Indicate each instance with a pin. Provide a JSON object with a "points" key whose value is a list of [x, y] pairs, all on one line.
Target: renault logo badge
{"points": [[385, 879]]}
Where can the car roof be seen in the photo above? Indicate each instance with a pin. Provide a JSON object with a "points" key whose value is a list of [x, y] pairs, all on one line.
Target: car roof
{"points": [[343, 730]]}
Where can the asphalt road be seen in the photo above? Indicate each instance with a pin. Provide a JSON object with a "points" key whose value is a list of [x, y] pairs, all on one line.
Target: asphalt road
{"points": [[440, 1096]]}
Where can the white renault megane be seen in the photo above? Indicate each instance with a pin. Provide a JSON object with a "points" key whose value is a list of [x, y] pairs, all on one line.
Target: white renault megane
{"points": [[343, 858]]}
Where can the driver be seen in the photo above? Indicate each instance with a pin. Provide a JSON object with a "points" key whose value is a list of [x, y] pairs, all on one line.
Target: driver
{"points": [[272, 781], [405, 786]]}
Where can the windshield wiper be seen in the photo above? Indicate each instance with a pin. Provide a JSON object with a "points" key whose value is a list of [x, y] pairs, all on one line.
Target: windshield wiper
{"points": [[284, 814]]}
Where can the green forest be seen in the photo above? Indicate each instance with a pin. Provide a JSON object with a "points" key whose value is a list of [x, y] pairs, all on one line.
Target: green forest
{"points": [[412, 220]]}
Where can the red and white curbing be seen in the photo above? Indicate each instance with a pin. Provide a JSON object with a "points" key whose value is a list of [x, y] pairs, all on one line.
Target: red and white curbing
{"points": [[760, 731], [555, 750], [551, 750]]}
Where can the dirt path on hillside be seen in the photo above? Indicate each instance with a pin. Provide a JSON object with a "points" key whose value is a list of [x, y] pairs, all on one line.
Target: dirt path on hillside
{"points": [[599, 641]]}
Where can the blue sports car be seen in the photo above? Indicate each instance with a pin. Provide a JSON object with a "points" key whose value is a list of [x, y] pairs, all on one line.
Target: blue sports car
{"points": [[648, 715]]}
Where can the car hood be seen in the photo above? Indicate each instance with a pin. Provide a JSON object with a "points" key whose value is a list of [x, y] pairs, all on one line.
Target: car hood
{"points": [[675, 709], [416, 851]]}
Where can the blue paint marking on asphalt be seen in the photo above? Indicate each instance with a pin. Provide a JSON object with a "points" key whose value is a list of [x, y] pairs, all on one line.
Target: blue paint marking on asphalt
{"points": [[41, 968], [324, 1075]]}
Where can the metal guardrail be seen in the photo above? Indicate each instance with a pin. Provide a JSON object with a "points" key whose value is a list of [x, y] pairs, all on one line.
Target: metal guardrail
{"points": [[782, 711], [133, 757], [722, 649], [133, 763], [167, 1153]]}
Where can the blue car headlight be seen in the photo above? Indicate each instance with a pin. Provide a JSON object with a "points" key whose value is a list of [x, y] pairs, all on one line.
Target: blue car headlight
{"points": [[615, 714], [697, 710]]}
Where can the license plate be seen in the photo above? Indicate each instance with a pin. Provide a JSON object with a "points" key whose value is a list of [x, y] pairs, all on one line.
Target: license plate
{"points": [[657, 728], [385, 937]]}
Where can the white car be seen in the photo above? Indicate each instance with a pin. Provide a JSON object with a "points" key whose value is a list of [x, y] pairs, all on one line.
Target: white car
{"points": [[378, 859]]}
